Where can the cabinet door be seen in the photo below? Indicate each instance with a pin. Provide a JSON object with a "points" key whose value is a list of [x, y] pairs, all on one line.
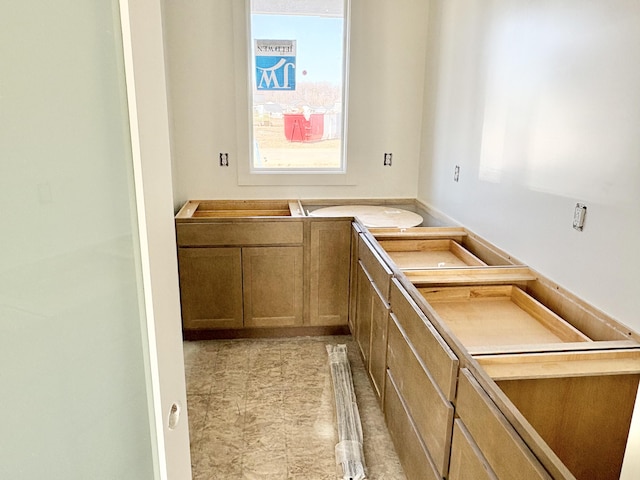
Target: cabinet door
{"points": [[272, 286], [364, 310], [211, 287], [378, 353], [329, 272]]}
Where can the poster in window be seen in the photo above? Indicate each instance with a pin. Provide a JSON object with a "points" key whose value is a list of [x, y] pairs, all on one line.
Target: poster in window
{"points": [[275, 64]]}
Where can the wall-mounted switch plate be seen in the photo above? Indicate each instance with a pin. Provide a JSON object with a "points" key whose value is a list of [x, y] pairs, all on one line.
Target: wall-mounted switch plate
{"points": [[456, 173], [224, 159], [387, 159], [578, 216]]}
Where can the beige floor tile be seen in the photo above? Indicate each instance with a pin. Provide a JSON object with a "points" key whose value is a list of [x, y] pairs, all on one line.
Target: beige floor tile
{"points": [[263, 410]]}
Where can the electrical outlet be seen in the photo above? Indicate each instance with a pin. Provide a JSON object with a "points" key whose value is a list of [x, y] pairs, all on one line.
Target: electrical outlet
{"points": [[578, 216], [456, 173], [387, 159], [224, 159]]}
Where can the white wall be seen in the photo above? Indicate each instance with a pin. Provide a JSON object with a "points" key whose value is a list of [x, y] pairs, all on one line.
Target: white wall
{"points": [[385, 107], [537, 102]]}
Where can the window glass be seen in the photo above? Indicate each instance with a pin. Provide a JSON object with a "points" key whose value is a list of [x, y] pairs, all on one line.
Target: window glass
{"points": [[298, 95]]}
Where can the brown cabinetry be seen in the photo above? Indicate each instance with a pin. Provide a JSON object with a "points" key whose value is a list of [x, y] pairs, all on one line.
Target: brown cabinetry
{"points": [[484, 369], [260, 272]]}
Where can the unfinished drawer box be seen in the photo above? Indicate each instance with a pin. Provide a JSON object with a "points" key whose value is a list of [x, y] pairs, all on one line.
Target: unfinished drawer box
{"points": [[486, 318], [440, 253], [473, 244], [195, 209]]}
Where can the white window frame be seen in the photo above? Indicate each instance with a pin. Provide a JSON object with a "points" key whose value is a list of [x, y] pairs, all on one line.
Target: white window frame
{"points": [[247, 175]]}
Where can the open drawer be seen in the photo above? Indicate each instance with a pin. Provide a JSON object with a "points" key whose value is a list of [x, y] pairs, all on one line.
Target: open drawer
{"points": [[491, 318], [420, 254]]}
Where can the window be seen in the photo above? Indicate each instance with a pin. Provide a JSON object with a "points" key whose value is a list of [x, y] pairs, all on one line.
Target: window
{"points": [[298, 55]]}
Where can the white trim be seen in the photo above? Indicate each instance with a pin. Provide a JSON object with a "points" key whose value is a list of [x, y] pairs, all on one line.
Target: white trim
{"points": [[155, 413]]}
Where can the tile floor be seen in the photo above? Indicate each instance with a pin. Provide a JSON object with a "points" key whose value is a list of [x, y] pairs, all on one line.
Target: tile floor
{"points": [[263, 409]]}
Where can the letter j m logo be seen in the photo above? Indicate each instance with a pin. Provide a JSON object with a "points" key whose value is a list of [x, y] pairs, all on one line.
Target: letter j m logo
{"points": [[275, 73]]}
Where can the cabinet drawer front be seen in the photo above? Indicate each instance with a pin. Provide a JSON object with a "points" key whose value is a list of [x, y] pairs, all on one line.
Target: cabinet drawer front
{"points": [[467, 461], [415, 460], [430, 411], [430, 347], [505, 451], [376, 268], [239, 233]]}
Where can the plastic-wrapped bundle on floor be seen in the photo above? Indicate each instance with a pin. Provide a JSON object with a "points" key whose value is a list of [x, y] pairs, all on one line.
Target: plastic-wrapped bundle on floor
{"points": [[349, 453]]}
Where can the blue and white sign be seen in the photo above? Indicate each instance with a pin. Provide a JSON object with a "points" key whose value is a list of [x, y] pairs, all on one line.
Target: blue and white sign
{"points": [[275, 64]]}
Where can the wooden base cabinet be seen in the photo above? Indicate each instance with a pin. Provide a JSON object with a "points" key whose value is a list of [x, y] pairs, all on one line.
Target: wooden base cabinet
{"points": [[260, 273]]}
